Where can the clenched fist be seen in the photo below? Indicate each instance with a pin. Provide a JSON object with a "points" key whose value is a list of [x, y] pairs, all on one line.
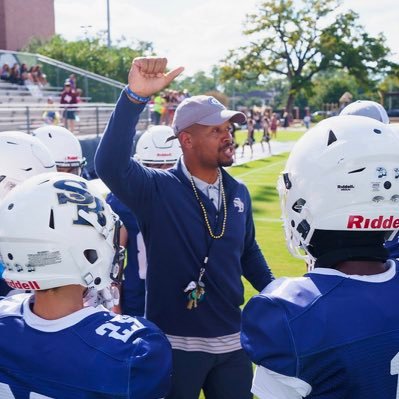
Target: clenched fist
{"points": [[147, 75]]}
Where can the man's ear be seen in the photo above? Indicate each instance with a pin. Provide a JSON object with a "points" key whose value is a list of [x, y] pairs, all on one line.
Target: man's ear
{"points": [[185, 139]]}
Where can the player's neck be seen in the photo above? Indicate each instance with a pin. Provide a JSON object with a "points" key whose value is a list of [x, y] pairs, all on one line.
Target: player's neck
{"points": [[57, 303], [362, 268]]}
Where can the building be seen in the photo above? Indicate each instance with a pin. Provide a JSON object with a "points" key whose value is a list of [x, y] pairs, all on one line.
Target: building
{"points": [[20, 20]]}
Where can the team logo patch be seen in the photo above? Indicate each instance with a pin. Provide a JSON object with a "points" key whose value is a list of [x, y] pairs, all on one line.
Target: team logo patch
{"points": [[238, 204]]}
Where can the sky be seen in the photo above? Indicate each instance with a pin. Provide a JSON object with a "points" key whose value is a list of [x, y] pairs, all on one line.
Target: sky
{"points": [[195, 34]]}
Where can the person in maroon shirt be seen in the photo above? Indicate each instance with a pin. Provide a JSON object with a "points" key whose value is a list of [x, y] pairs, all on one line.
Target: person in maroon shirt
{"points": [[68, 99]]}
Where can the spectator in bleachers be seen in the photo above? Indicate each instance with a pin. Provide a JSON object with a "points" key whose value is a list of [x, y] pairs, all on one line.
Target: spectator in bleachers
{"points": [[26, 76], [15, 75], [50, 115], [38, 76], [79, 95], [5, 72], [72, 79], [69, 101]]}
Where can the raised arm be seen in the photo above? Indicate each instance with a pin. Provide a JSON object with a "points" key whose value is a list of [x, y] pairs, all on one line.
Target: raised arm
{"points": [[113, 158]]}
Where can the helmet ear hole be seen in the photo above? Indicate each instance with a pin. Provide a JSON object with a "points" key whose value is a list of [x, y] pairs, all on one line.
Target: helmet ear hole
{"points": [[51, 221], [91, 255]]}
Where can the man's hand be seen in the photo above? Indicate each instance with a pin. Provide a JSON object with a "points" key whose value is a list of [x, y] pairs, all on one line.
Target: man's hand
{"points": [[147, 75]]}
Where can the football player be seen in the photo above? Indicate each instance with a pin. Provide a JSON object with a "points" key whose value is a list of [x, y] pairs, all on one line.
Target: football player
{"points": [[67, 152], [376, 111], [59, 238], [333, 333], [64, 147], [21, 156]]}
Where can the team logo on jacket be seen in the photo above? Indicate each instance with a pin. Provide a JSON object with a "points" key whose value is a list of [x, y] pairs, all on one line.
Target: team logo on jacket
{"points": [[238, 204], [360, 222]]}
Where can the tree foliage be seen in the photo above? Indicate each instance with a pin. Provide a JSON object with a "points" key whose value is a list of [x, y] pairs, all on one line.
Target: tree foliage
{"points": [[328, 87], [92, 54], [294, 39], [199, 83]]}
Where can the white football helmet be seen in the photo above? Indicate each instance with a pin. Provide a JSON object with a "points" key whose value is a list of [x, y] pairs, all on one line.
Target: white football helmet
{"points": [[21, 156], [342, 175], [56, 230], [371, 109], [153, 147], [63, 145]]}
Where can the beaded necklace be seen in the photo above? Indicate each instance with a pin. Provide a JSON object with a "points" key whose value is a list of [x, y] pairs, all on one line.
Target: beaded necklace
{"points": [[196, 289], [208, 225]]}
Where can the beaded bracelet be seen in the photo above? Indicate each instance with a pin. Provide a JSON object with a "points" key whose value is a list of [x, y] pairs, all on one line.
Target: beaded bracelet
{"points": [[135, 96]]}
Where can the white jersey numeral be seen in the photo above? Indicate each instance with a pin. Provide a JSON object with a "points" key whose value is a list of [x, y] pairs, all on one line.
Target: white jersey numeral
{"points": [[118, 332], [5, 393]]}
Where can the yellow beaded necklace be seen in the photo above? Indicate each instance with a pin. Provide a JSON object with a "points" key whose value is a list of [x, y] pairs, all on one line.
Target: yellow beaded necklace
{"points": [[208, 225]]}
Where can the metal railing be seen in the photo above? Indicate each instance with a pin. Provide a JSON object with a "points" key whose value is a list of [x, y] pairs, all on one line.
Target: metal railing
{"points": [[92, 118], [20, 109]]}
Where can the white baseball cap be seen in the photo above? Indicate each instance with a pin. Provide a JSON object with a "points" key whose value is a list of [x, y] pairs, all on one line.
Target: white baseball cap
{"points": [[203, 110]]}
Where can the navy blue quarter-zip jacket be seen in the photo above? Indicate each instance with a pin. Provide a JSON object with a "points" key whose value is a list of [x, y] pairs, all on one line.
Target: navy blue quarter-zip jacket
{"points": [[177, 239]]}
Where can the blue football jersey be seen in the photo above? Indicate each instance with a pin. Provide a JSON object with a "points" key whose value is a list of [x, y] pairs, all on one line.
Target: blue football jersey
{"points": [[336, 333], [91, 353], [133, 292], [393, 247]]}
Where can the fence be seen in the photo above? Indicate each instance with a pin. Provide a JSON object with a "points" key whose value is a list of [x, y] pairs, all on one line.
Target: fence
{"points": [[92, 117]]}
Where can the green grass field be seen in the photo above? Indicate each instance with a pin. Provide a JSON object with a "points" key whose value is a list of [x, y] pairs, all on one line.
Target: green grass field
{"points": [[282, 135], [261, 177]]}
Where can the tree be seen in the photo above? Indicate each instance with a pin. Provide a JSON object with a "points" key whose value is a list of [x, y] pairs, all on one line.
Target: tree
{"points": [[329, 86], [92, 54], [293, 39], [199, 83], [389, 90]]}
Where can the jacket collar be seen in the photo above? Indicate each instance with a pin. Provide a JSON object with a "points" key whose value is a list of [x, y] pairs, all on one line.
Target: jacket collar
{"points": [[228, 181]]}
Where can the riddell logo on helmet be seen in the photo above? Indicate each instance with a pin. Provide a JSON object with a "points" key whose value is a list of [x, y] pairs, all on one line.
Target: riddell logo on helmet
{"points": [[164, 154], [29, 285], [360, 222]]}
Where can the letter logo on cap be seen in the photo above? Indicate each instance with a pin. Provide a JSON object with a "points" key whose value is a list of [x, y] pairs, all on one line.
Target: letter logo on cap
{"points": [[213, 101]]}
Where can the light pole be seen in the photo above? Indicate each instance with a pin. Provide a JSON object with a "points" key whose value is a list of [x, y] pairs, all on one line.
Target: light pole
{"points": [[108, 26]]}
